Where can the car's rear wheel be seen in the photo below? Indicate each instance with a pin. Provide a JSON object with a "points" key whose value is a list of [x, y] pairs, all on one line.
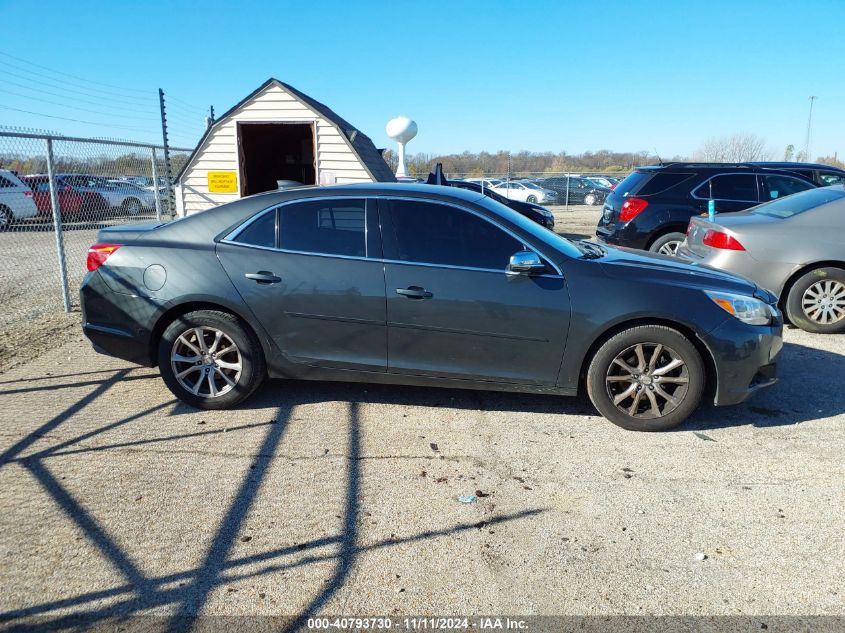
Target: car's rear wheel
{"points": [[590, 199], [133, 206], [210, 359], [532, 199], [667, 244], [646, 378], [6, 219], [816, 301]]}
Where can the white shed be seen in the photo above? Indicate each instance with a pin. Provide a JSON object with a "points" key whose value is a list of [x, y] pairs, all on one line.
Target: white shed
{"points": [[276, 133]]}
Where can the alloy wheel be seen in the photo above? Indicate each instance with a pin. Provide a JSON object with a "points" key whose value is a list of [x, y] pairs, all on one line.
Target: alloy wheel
{"points": [[824, 301], [133, 207], [647, 380], [206, 362], [590, 199], [670, 248]]}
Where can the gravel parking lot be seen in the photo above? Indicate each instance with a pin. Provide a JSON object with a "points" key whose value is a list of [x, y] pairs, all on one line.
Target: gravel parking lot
{"points": [[321, 498]]}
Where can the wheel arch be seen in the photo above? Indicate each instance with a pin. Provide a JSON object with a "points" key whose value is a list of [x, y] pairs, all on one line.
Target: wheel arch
{"points": [[711, 377], [174, 312]]}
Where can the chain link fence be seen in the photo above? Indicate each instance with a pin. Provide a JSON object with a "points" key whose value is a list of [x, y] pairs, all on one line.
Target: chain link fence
{"points": [[56, 192]]}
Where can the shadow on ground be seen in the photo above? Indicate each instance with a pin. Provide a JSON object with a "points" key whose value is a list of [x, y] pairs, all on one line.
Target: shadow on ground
{"points": [[183, 595]]}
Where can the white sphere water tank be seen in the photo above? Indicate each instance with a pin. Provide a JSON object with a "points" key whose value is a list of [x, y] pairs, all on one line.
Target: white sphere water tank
{"points": [[401, 129]]}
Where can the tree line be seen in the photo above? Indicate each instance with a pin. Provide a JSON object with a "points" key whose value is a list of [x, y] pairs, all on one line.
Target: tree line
{"points": [[740, 147]]}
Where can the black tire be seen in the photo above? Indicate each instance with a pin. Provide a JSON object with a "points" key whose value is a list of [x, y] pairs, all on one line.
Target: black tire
{"points": [[602, 388], [531, 199], [133, 207], [250, 357], [800, 306], [6, 219], [667, 244]]}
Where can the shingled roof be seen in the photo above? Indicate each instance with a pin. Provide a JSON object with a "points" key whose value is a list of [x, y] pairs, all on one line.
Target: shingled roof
{"points": [[360, 144]]}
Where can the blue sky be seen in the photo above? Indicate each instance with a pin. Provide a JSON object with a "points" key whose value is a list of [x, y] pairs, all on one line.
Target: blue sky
{"points": [[537, 75]]}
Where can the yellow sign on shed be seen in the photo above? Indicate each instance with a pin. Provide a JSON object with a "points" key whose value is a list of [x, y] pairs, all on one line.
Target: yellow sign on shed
{"points": [[222, 182]]}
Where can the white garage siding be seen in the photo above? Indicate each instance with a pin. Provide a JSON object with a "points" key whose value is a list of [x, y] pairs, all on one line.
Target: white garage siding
{"points": [[275, 102]]}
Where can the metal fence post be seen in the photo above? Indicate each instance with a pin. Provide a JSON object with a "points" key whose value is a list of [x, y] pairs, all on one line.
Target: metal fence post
{"points": [[57, 225], [155, 184], [567, 192]]}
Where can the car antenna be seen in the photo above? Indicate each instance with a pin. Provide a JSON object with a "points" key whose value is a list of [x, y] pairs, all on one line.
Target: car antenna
{"points": [[659, 160]]}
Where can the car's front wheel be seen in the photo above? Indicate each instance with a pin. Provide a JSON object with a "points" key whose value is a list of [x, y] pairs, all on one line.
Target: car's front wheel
{"points": [[532, 199], [816, 302], [646, 378], [590, 199], [210, 359]]}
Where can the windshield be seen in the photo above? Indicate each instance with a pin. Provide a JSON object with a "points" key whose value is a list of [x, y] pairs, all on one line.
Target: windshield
{"points": [[554, 240], [532, 185], [799, 202]]}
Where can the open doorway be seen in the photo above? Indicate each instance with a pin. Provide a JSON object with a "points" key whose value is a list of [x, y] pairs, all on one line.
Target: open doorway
{"points": [[270, 152]]}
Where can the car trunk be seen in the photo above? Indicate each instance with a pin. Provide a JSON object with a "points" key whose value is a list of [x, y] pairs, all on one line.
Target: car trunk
{"points": [[124, 233]]}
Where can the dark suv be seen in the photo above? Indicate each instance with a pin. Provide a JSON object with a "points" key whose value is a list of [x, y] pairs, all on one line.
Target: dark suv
{"points": [[651, 208]]}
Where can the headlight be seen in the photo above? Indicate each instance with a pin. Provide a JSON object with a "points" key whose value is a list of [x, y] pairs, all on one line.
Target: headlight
{"points": [[746, 309]]}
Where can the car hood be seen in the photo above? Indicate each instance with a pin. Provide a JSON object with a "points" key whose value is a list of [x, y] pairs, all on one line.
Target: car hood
{"points": [[623, 263]]}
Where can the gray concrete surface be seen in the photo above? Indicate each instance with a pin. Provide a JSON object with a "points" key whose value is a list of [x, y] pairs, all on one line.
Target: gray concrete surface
{"points": [[341, 499]]}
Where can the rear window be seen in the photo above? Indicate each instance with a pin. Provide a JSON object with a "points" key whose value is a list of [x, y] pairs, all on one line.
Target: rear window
{"points": [[798, 203], [644, 183]]}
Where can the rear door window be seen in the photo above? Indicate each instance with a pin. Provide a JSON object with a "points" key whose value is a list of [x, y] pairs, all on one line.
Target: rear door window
{"points": [[779, 186], [331, 227], [260, 232], [736, 187]]}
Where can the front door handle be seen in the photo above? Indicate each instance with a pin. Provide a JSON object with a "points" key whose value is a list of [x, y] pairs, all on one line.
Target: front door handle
{"points": [[263, 277], [414, 292]]}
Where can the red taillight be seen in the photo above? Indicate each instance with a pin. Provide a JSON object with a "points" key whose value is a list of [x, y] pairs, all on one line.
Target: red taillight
{"points": [[99, 253], [631, 208], [717, 239], [28, 194]]}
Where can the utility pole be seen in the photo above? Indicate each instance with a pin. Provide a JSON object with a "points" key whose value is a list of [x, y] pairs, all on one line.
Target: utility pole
{"points": [[167, 171], [209, 120], [809, 129]]}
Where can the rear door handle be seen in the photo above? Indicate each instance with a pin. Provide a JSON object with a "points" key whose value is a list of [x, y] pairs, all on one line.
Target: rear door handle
{"points": [[414, 292], [263, 277]]}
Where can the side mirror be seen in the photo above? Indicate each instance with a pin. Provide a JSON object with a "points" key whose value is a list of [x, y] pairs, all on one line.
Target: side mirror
{"points": [[525, 263]]}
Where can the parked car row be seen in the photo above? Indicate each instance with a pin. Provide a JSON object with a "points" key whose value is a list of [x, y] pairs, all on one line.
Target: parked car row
{"points": [[80, 197], [566, 189], [781, 225]]}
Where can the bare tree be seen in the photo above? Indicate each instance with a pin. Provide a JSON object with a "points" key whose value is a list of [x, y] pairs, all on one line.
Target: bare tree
{"points": [[737, 148]]}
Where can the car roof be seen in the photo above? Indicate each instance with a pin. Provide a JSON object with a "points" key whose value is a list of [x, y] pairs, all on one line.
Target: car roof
{"points": [[734, 168], [791, 165]]}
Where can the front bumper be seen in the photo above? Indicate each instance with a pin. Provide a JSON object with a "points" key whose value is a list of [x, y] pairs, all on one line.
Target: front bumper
{"points": [[746, 358]]}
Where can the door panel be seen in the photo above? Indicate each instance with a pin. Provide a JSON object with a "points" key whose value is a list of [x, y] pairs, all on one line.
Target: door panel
{"points": [[457, 313], [327, 310], [476, 324]]}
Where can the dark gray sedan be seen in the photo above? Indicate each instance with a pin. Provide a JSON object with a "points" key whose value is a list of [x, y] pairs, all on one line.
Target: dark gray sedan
{"points": [[422, 285], [794, 246]]}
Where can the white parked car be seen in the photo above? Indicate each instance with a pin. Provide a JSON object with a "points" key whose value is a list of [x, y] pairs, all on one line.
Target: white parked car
{"points": [[487, 183], [526, 192], [16, 201]]}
